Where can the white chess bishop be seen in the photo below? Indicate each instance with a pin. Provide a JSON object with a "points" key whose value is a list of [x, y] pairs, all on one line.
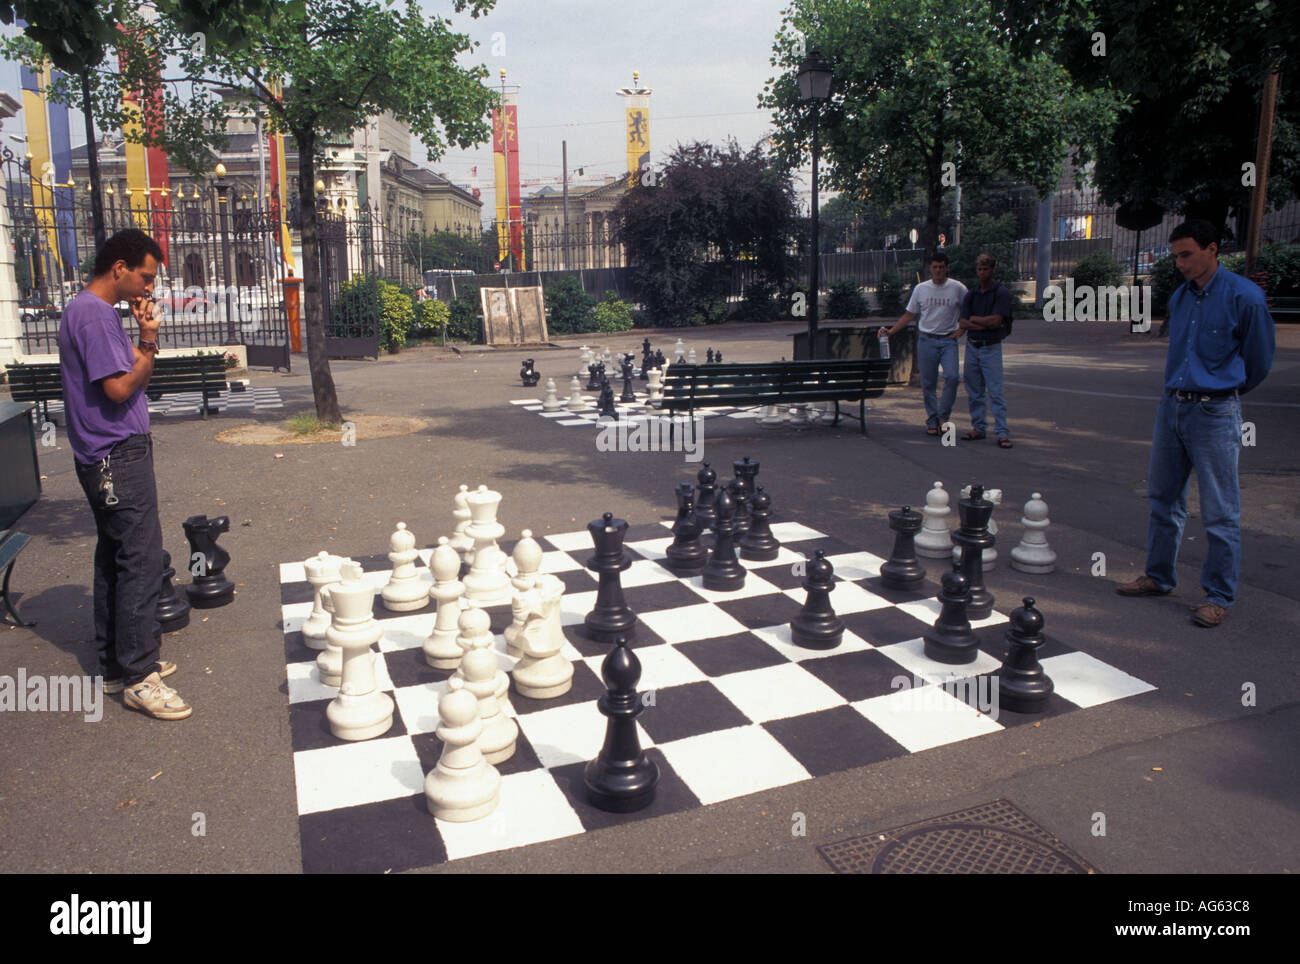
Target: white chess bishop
{"points": [[460, 540], [487, 582], [405, 590], [1033, 554], [329, 664], [322, 569], [990, 557], [441, 651], [543, 673], [528, 559], [361, 710], [463, 786], [934, 541], [497, 741], [552, 402]]}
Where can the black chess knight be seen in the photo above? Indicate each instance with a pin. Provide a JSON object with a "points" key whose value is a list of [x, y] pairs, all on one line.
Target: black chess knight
{"points": [[606, 404], [208, 562], [527, 374], [611, 617]]}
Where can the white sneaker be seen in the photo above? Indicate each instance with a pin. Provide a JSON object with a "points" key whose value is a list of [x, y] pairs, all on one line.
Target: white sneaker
{"points": [[151, 695]]}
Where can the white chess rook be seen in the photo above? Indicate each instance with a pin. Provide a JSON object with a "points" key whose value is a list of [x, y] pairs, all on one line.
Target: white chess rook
{"points": [[543, 673], [487, 582], [405, 591], [1033, 554], [441, 651], [322, 570], [463, 786], [934, 541], [361, 711]]}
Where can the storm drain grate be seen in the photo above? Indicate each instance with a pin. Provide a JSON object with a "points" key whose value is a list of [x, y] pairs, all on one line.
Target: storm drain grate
{"points": [[992, 838]]}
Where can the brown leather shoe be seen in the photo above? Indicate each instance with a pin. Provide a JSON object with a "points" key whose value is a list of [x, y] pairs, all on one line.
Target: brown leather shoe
{"points": [[1143, 585], [1209, 615]]}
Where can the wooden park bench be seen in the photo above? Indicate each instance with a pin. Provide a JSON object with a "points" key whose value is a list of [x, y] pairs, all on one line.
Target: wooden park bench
{"points": [[188, 373], [786, 383], [11, 543], [1285, 309]]}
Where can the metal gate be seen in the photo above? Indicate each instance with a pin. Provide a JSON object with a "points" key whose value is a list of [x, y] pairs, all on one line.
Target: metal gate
{"points": [[348, 282]]}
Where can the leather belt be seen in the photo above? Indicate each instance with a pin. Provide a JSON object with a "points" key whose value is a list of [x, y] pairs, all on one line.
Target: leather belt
{"points": [[930, 334], [1202, 396]]}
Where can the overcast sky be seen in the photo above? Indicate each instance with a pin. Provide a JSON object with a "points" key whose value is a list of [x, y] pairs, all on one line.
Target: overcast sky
{"points": [[706, 62]]}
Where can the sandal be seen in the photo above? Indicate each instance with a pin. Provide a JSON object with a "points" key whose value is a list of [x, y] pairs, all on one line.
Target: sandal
{"points": [[972, 436], [931, 430], [1004, 443]]}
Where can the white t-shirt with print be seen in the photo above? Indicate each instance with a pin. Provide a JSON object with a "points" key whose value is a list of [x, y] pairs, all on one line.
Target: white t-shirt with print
{"points": [[939, 307]]}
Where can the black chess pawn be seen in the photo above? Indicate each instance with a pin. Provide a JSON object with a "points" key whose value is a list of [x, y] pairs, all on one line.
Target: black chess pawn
{"points": [[687, 554], [723, 572], [717, 357], [208, 561], [645, 346], [611, 617], [1023, 687], [606, 404], [527, 374], [973, 537], [705, 513], [173, 610], [903, 570], [758, 544], [593, 379], [628, 395], [708, 358], [951, 640], [622, 778], [817, 626], [660, 360]]}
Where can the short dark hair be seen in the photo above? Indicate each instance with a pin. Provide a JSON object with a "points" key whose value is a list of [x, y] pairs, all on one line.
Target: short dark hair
{"points": [[1202, 232], [938, 256], [130, 246], [986, 259]]}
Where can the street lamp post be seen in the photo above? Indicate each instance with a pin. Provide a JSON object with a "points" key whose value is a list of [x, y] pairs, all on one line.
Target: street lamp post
{"points": [[223, 212], [814, 87]]}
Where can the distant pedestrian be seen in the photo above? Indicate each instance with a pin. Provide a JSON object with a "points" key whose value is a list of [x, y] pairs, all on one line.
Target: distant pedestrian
{"points": [[1221, 342], [986, 317], [104, 377], [937, 304]]}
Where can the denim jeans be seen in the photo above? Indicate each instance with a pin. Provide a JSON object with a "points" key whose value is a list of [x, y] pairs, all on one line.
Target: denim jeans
{"points": [[931, 354], [984, 378], [128, 561], [1205, 436]]}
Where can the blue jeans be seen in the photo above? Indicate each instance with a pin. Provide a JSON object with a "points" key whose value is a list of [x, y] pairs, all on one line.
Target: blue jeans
{"points": [[931, 354], [984, 376], [128, 561], [1205, 436]]}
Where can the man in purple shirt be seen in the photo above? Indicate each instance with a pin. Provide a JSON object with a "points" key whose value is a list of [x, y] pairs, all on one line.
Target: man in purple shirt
{"points": [[104, 377]]}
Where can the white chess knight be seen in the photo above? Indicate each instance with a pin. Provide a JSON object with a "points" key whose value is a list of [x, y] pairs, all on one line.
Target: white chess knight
{"points": [[487, 582], [543, 673], [463, 786], [441, 651], [934, 541], [528, 559], [497, 741], [329, 664], [405, 591], [1033, 554], [576, 402], [460, 540], [552, 402], [361, 710], [322, 569], [990, 557]]}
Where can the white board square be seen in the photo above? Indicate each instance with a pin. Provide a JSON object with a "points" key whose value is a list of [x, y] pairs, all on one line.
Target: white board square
{"points": [[357, 773], [731, 763], [1086, 681]]}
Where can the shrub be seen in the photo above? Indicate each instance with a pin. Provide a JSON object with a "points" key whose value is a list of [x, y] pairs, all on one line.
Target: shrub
{"points": [[1165, 277], [431, 317], [1098, 269], [1282, 264], [569, 307], [612, 314], [465, 314], [369, 301], [846, 301], [890, 294], [760, 303]]}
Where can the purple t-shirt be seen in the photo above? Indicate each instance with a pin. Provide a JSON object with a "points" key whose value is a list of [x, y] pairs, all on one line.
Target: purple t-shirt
{"points": [[92, 346]]}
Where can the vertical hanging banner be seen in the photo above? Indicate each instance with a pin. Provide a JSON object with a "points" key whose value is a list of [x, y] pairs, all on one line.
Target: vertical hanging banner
{"points": [[45, 267], [505, 156], [65, 189], [146, 167], [500, 184], [279, 180], [637, 128]]}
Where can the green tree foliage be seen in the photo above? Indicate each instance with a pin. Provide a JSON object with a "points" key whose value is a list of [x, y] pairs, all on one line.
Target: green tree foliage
{"points": [[921, 84], [370, 300], [889, 296], [452, 250], [846, 301], [612, 314], [980, 235], [568, 307], [710, 210]]}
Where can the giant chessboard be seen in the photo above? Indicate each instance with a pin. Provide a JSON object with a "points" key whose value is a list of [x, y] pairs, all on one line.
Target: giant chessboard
{"points": [[731, 706]]}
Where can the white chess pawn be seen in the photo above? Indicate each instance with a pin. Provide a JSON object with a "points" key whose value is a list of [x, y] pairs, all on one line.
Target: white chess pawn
{"points": [[405, 590], [329, 664], [497, 741], [576, 402], [463, 786], [772, 417], [1033, 554], [441, 651], [990, 557], [551, 403], [679, 350], [361, 710], [934, 541], [543, 673], [528, 559], [322, 570], [690, 357], [487, 582], [460, 540], [475, 630]]}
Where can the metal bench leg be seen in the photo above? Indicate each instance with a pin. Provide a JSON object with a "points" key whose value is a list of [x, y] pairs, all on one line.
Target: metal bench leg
{"points": [[862, 414], [837, 414], [4, 592]]}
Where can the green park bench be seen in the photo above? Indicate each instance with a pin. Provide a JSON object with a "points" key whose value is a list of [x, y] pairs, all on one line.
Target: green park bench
{"points": [[43, 383]]}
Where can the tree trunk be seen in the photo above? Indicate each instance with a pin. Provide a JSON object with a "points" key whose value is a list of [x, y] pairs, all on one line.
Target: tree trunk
{"points": [[322, 381], [933, 196]]}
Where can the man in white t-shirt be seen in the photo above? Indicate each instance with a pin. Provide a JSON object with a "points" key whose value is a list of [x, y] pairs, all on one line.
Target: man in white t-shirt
{"points": [[937, 303]]}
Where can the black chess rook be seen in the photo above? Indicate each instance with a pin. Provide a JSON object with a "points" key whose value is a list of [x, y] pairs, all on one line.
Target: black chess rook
{"points": [[621, 779], [903, 570], [817, 626], [611, 617], [723, 572], [951, 639], [208, 562], [1023, 687]]}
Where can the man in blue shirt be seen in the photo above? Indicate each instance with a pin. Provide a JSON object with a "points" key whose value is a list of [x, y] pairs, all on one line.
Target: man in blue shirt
{"points": [[1220, 347], [986, 318]]}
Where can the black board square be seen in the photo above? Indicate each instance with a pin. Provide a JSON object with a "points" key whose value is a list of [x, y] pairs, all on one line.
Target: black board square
{"points": [[689, 710], [310, 730], [408, 667], [857, 675], [881, 627], [731, 654], [758, 611], [833, 740], [373, 838]]}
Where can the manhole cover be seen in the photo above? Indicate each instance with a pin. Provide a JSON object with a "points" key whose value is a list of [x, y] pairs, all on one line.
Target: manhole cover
{"points": [[992, 838]]}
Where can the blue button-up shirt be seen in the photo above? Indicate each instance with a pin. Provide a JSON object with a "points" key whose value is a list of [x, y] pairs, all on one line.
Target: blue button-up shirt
{"points": [[1220, 336]]}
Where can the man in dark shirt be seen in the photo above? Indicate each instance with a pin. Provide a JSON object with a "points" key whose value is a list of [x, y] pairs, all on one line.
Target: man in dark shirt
{"points": [[1221, 342], [104, 377], [986, 318]]}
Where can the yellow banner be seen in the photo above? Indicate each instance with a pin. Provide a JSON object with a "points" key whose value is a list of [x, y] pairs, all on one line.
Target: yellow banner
{"points": [[137, 164], [42, 168], [638, 140]]}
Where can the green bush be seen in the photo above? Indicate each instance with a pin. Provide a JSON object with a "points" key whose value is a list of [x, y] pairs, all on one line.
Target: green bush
{"points": [[1164, 278], [846, 301], [569, 307], [369, 301], [465, 314], [889, 295], [1098, 269], [612, 314], [1281, 262], [431, 317], [760, 303]]}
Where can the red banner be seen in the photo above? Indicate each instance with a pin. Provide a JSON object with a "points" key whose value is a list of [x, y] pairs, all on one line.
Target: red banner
{"points": [[510, 130]]}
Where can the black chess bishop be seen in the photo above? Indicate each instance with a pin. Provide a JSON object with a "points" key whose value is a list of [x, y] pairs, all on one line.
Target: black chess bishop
{"points": [[621, 779]]}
